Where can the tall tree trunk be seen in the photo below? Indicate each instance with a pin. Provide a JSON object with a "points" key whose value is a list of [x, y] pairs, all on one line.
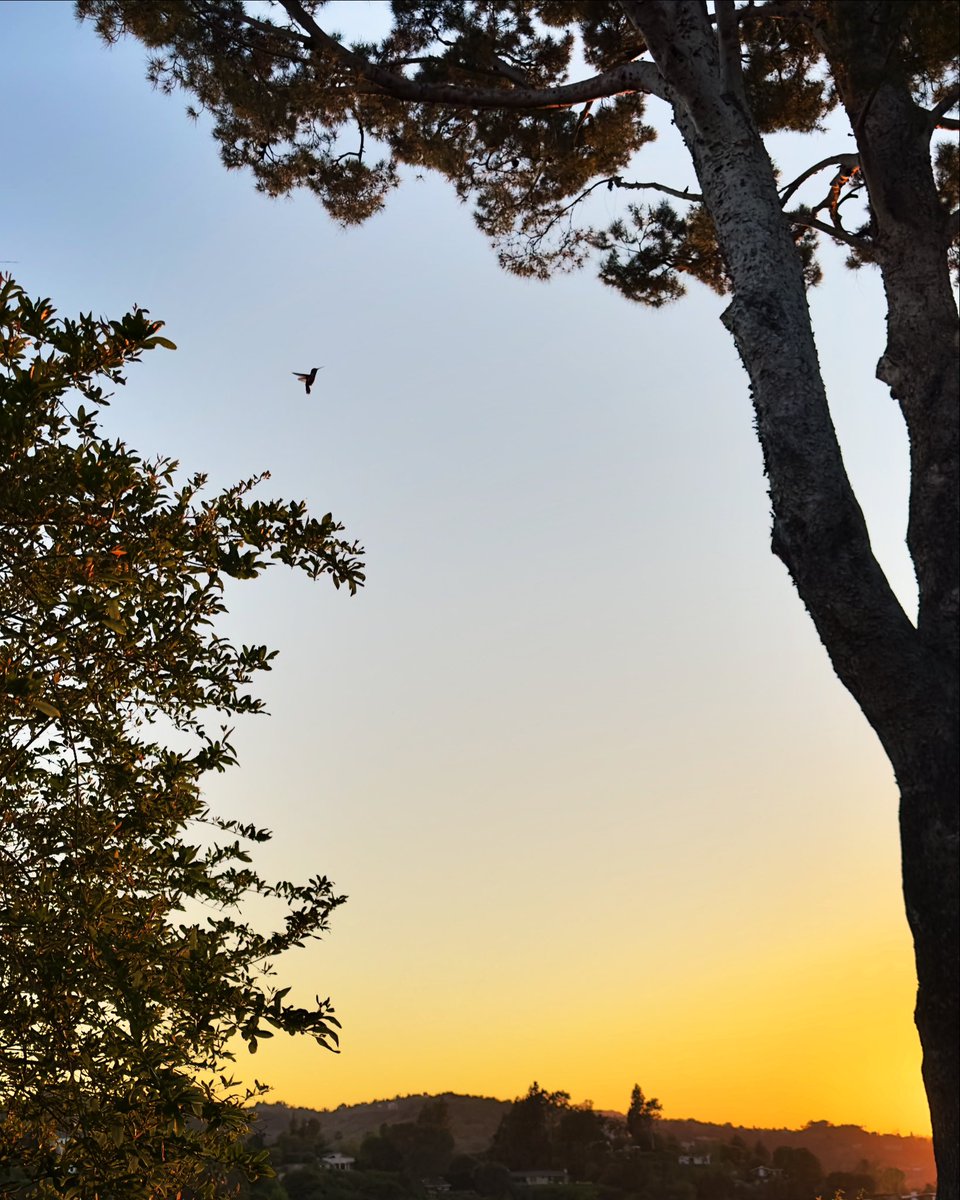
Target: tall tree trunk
{"points": [[902, 676], [920, 366]]}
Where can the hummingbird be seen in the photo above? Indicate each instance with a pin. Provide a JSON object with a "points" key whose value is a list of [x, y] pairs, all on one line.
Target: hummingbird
{"points": [[307, 379]]}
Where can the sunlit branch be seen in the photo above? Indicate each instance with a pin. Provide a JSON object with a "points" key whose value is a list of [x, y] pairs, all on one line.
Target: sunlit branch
{"points": [[840, 160]]}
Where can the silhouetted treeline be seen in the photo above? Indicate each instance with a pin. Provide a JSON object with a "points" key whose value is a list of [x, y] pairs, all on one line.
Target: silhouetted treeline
{"points": [[547, 1148]]}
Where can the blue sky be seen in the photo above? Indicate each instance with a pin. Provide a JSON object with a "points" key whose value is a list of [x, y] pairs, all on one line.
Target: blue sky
{"points": [[576, 754]]}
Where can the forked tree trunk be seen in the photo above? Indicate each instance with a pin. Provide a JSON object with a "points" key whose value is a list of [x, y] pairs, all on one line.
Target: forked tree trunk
{"points": [[902, 676]]}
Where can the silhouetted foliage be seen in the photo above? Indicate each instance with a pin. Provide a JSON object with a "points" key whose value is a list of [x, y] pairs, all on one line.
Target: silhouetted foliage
{"points": [[527, 1136], [127, 974], [641, 1118]]}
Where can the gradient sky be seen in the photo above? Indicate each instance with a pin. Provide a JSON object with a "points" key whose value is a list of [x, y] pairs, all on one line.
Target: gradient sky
{"points": [[603, 811]]}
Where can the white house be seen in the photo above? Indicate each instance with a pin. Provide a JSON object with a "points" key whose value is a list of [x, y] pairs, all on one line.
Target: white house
{"points": [[337, 1162], [762, 1173]]}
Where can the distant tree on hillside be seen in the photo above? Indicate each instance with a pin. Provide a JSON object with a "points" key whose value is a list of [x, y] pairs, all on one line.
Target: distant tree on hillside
{"points": [[800, 1166], [582, 1143], [641, 1117], [435, 1114], [850, 1183], [301, 1142], [526, 1134], [417, 1150]]}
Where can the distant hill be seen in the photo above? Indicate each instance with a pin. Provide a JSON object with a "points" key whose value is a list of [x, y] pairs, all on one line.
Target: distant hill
{"points": [[838, 1147], [474, 1119]]}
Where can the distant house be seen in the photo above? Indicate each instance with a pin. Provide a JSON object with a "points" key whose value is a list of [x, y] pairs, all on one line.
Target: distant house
{"points": [[539, 1176], [762, 1173], [337, 1162], [694, 1160]]}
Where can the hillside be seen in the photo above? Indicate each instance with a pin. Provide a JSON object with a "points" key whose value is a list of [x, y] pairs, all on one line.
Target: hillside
{"points": [[838, 1147], [474, 1119]]}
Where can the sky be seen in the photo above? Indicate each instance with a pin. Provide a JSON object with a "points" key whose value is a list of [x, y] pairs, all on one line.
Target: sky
{"points": [[602, 810]]}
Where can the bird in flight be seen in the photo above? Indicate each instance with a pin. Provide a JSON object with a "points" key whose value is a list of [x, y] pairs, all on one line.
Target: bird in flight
{"points": [[307, 379]]}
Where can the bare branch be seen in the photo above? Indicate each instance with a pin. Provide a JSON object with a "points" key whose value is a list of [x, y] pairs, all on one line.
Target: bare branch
{"points": [[619, 182], [613, 181], [834, 231], [567, 207]]}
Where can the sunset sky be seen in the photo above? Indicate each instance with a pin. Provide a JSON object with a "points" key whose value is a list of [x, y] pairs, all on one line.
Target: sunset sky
{"points": [[575, 753]]}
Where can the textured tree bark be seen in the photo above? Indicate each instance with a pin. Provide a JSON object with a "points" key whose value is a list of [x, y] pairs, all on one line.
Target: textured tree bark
{"points": [[920, 365], [904, 678]]}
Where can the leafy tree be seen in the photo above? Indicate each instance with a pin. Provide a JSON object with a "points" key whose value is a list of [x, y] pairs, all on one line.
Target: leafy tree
{"points": [[460, 1172], [849, 1183], [422, 1149], [379, 1153], [435, 1114], [304, 1183], [127, 975], [641, 1116], [526, 1136], [800, 1166], [582, 1143], [891, 1181], [482, 93], [492, 1179], [300, 1142]]}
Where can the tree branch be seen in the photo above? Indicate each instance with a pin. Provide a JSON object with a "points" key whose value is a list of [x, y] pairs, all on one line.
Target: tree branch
{"points": [[777, 10], [834, 231], [629, 77], [938, 114], [620, 182], [611, 182], [728, 39], [840, 160], [274, 30]]}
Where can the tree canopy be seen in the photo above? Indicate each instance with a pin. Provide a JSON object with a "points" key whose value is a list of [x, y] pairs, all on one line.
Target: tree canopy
{"points": [[481, 93], [129, 972]]}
